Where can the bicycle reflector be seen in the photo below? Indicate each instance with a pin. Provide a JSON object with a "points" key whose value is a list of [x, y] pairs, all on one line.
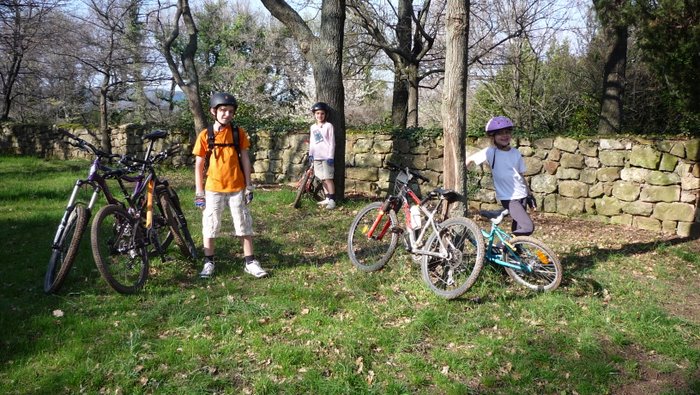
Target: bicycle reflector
{"points": [[542, 256]]}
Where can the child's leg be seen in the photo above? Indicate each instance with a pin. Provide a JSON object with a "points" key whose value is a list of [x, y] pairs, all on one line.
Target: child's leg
{"points": [[208, 246], [329, 187], [211, 221], [522, 223], [247, 245]]}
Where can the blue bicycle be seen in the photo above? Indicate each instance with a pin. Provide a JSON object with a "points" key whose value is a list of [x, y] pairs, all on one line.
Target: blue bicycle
{"points": [[527, 260]]}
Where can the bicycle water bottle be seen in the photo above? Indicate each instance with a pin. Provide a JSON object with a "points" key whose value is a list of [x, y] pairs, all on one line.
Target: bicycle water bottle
{"points": [[415, 217]]}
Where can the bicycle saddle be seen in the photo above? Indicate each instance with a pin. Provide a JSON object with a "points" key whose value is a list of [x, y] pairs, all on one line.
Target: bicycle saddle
{"points": [[448, 194], [155, 135]]}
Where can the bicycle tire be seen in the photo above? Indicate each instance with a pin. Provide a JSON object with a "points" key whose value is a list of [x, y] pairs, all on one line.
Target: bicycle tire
{"points": [[370, 255], [451, 277], [120, 249], [176, 230], [62, 258], [301, 189], [547, 270]]}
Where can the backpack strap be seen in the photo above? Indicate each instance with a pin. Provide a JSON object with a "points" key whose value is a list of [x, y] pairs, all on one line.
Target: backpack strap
{"points": [[211, 147]]}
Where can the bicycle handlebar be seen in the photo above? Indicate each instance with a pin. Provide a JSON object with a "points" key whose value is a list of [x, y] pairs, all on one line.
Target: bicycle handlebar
{"points": [[394, 166], [86, 146]]}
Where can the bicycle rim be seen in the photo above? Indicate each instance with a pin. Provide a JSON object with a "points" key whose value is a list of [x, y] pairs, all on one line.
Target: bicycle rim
{"points": [[371, 254], [119, 249], [452, 276], [62, 258], [545, 272]]}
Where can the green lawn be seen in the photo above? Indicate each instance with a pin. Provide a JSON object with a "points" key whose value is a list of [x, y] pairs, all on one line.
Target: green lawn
{"points": [[625, 319]]}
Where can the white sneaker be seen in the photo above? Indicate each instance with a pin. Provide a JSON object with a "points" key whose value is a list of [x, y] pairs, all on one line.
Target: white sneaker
{"points": [[208, 270], [330, 205], [253, 268], [323, 202]]}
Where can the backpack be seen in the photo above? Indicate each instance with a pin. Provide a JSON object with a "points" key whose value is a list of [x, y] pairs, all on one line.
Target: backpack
{"points": [[211, 145]]}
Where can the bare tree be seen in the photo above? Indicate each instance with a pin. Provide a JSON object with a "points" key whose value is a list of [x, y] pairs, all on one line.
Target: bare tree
{"points": [[180, 56], [454, 103], [406, 34], [325, 54], [23, 29]]}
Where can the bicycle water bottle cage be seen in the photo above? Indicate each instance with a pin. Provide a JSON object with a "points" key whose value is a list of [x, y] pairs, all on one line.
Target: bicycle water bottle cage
{"points": [[496, 216]]}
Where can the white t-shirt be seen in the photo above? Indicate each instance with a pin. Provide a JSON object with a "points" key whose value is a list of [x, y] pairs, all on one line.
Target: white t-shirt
{"points": [[322, 141], [507, 168]]}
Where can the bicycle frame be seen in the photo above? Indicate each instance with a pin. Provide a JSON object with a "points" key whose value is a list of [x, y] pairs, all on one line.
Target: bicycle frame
{"points": [[401, 201], [496, 233]]}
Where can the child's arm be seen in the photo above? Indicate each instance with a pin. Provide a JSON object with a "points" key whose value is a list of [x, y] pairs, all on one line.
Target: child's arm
{"points": [[245, 163], [199, 174]]}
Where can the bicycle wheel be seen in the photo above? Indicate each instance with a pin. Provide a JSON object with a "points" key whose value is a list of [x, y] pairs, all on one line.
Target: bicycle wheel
{"points": [[371, 254], [452, 276], [120, 249], [177, 226], [316, 190], [301, 188], [545, 270], [63, 254]]}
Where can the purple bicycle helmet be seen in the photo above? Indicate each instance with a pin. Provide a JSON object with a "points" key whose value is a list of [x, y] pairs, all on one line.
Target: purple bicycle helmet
{"points": [[497, 123]]}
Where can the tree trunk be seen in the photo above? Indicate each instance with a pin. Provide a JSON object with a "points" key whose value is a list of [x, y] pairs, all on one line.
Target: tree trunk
{"points": [[610, 120], [400, 97], [325, 53], [105, 139], [412, 71], [188, 79], [454, 103]]}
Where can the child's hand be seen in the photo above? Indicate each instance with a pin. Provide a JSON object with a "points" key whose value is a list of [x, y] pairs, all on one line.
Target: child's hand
{"points": [[199, 201], [531, 202], [248, 196]]}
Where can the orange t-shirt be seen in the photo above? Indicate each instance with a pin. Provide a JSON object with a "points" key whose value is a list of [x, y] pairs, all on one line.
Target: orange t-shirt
{"points": [[225, 174]]}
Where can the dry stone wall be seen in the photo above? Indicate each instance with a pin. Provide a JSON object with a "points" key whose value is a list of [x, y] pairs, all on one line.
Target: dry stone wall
{"points": [[648, 184]]}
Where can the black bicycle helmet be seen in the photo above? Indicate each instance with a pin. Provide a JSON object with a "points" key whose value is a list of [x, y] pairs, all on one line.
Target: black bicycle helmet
{"points": [[320, 106], [222, 99]]}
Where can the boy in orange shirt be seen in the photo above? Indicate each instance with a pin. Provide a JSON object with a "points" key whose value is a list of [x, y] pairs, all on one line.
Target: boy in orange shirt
{"points": [[227, 183]]}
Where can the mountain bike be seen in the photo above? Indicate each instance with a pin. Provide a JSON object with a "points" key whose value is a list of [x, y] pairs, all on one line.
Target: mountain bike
{"points": [[527, 260], [77, 213], [455, 243], [308, 184], [124, 236]]}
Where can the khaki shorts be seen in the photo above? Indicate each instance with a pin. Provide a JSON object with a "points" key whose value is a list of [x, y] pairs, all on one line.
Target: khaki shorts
{"points": [[322, 170], [216, 203]]}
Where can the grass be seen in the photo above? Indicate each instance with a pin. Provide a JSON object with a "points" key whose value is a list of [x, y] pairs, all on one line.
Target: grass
{"points": [[317, 325]]}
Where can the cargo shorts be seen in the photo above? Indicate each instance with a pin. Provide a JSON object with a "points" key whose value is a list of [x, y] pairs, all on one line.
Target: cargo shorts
{"points": [[216, 203]]}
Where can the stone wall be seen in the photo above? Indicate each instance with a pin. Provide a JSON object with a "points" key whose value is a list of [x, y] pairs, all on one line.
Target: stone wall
{"points": [[48, 141], [649, 184]]}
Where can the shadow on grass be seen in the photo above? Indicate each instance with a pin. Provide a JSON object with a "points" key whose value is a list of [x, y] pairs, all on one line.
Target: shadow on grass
{"points": [[577, 264]]}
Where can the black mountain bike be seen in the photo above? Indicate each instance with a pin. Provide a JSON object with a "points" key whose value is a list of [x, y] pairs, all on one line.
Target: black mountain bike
{"points": [[123, 237], [77, 214]]}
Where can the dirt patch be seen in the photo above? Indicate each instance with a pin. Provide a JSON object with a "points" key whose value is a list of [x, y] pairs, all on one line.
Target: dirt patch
{"points": [[646, 376]]}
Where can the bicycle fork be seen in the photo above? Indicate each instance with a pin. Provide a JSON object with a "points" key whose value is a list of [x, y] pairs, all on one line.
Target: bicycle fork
{"points": [[69, 210]]}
